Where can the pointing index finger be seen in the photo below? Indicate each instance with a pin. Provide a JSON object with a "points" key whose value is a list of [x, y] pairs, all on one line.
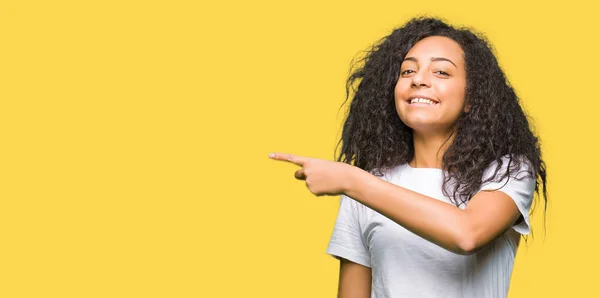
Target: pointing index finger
{"points": [[299, 160]]}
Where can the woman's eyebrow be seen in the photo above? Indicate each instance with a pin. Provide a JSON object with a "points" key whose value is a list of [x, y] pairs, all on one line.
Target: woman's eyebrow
{"points": [[442, 59], [432, 59]]}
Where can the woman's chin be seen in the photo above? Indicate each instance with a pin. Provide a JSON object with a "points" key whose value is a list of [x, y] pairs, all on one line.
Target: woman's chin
{"points": [[425, 126]]}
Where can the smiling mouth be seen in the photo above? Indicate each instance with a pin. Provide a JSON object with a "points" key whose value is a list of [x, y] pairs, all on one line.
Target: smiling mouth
{"points": [[421, 100]]}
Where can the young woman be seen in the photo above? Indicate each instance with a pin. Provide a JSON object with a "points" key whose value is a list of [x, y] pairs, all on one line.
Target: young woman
{"points": [[437, 171]]}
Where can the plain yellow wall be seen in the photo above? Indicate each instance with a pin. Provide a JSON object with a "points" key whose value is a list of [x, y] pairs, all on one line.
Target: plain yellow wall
{"points": [[134, 139]]}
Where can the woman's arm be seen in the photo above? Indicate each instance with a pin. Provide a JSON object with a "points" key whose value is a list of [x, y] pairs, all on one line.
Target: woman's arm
{"points": [[488, 214], [354, 281]]}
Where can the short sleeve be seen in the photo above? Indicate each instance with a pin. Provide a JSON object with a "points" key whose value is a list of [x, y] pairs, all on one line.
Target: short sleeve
{"points": [[346, 240], [519, 186]]}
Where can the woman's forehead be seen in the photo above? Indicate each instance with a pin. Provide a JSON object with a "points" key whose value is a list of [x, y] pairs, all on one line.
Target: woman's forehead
{"points": [[436, 46]]}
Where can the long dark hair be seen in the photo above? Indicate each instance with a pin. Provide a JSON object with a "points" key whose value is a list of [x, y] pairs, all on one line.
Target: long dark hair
{"points": [[375, 139]]}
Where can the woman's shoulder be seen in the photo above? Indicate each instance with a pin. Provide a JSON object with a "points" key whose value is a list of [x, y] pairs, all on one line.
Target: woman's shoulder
{"points": [[509, 164]]}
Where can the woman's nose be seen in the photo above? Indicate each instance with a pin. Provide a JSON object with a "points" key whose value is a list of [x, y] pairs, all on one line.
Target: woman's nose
{"points": [[421, 79]]}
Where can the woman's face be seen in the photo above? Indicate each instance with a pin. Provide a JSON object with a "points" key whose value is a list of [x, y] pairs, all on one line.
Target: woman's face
{"points": [[430, 92]]}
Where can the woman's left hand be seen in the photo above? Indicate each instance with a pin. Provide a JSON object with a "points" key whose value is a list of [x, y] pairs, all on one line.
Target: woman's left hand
{"points": [[322, 177]]}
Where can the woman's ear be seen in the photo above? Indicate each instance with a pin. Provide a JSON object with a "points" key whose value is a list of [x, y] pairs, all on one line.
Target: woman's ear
{"points": [[467, 108]]}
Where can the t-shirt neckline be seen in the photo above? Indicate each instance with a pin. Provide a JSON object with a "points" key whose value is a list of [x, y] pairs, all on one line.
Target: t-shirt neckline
{"points": [[423, 169]]}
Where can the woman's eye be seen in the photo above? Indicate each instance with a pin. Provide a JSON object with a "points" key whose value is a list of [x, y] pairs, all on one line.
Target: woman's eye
{"points": [[405, 72], [442, 72]]}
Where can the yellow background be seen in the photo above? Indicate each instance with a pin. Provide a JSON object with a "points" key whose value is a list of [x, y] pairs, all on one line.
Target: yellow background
{"points": [[134, 140]]}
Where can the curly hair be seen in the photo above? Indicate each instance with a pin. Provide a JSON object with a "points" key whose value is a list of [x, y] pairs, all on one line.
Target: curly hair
{"points": [[376, 140]]}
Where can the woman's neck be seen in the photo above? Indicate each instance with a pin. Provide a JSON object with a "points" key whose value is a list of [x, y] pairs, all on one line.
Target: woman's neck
{"points": [[429, 149]]}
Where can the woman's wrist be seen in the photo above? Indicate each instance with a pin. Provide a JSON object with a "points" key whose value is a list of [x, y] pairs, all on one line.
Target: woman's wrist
{"points": [[352, 179]]}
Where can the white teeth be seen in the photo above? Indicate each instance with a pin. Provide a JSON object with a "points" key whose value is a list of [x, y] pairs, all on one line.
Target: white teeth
{"points": [[422, 100]]}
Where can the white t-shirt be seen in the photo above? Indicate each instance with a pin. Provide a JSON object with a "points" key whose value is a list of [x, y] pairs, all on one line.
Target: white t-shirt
{"points": [[406, 265]]}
